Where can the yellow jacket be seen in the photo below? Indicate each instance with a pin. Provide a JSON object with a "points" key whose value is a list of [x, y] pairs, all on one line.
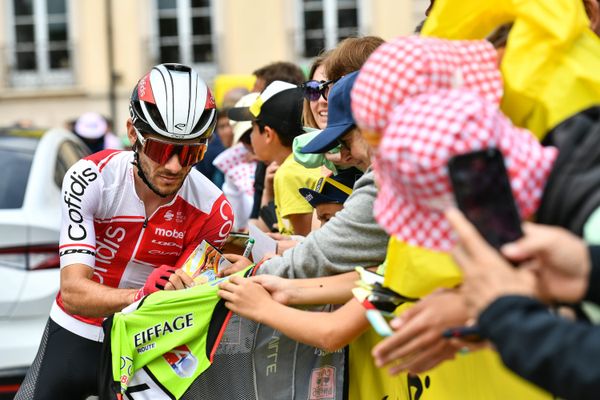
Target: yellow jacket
{"points": [[552, 58], [415, 271]]}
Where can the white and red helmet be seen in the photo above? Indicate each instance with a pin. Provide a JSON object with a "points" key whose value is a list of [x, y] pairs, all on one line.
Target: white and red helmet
{"points": [[173, 101]]}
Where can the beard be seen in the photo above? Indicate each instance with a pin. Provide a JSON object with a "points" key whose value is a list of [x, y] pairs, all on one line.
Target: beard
{"points": [[152, 178]]}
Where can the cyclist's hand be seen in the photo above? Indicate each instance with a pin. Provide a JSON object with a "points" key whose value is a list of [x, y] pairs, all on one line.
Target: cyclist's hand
{"points": [[157, 280], [179, 280]]}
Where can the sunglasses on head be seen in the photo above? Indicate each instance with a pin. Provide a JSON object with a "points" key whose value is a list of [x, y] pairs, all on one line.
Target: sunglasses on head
{"points": [[161, 152], [315, 89]]}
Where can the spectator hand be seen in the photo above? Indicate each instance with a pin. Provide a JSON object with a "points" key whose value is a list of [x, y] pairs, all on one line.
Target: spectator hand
{"points": [[559, 259], [283, 245], [417, 344], [486, 274], [278, 236], [268, 194], [279, 288], [245, 297], [239, 263], [157, 280]]}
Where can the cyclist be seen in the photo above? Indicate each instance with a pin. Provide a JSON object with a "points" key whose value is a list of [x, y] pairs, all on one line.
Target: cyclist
{"points": [[130, 219]]}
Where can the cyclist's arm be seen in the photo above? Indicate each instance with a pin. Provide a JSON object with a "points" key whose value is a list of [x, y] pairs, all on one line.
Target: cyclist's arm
{"points": [[87, 298], [81, 200]]}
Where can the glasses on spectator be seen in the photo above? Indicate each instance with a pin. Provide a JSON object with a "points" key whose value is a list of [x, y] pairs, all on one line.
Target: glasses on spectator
{"points": [[161, 152], [315, 89]]}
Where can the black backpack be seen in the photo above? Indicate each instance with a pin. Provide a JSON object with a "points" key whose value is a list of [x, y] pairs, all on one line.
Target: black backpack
{"points": [[572, 191]]}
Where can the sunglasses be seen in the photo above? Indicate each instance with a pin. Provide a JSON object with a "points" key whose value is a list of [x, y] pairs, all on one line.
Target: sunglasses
{"points": [[161, 152], [315, 89]]}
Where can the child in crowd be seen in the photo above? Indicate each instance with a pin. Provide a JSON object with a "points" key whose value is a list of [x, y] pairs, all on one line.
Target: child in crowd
{"points": [[238, 165], [330, 193], [276, 121]]}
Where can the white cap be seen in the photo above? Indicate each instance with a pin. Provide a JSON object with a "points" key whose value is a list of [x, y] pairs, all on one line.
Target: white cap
{"points": [[240, 127], [91, 125]]}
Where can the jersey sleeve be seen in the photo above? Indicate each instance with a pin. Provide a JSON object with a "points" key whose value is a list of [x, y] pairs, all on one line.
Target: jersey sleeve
{"points": [[80, 198], [215, 230]]}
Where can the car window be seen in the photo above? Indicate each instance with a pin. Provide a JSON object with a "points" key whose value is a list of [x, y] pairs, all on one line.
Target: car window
{"points": [[15, 167], [68, 154]]}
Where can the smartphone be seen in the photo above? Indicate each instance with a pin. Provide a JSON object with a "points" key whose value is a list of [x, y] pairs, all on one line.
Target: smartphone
{"points": [[482, 191]]}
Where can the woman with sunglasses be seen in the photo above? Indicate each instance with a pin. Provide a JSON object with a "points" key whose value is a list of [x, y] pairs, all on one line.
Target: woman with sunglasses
{"points": [[314, 113], [130, 220]]}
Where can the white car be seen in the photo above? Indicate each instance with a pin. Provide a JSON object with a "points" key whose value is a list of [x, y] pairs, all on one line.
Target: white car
{"points": [[32, 166]]}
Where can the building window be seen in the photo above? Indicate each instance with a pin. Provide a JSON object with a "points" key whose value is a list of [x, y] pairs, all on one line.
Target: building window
{"points": [[39, 47], [184, 30], [325, 22]]}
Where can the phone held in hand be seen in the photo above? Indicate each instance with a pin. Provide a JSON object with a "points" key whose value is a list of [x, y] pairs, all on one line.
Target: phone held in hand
{"points": [[483, 193]]}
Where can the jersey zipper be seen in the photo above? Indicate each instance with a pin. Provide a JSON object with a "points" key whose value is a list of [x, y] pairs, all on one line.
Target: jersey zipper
{"points": [[144, 226], [139, 240]]}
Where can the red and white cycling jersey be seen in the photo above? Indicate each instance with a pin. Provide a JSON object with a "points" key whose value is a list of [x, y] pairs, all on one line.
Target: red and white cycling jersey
{"points": [[105, 227]]}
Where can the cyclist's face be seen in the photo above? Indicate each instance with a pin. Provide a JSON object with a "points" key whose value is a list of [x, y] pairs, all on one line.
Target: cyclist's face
{"points": [[165, 179]]}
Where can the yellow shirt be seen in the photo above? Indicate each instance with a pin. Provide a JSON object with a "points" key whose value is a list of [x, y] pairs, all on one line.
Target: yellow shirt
{"points": [[550, 65], [290, 177]]}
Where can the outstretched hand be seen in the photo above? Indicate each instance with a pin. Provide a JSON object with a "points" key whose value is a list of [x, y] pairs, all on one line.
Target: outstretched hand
{"points": [[417, 344], [486, 274], [239, 263], [280, 288], [245, 297]]}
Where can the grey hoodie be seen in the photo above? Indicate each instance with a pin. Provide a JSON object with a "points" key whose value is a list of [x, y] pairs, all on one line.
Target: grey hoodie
{"points": [[350, 239]]}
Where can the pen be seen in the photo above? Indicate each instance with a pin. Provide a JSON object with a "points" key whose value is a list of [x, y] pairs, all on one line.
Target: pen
{"points": [[248, 249], [467, 333]]}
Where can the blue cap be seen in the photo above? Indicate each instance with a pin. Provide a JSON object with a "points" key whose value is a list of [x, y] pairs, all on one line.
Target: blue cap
{"points": [[333, 189], [339, 117]]}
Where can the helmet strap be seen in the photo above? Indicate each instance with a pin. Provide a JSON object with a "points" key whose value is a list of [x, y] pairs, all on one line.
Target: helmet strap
{"points": [[140, 172]]}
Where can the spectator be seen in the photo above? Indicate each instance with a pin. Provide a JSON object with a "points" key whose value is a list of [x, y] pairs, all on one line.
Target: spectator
{"points": [[234, 95], [239, 165], [224, 129], [215, 147], [328, 251], [277, 71], [281, 71], [546, 349], [330, 193], [276, 120], [422, 134], [93, 129], [542, 91], [314, 112], [350, 55]]}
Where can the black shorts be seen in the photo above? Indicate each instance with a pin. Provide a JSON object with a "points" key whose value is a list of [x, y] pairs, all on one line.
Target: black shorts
{"points": [[65, 367]]}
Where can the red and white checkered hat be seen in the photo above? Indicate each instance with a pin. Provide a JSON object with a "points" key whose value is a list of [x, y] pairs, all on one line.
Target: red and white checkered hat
{"points": [[411, 166], [410, 65]]}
